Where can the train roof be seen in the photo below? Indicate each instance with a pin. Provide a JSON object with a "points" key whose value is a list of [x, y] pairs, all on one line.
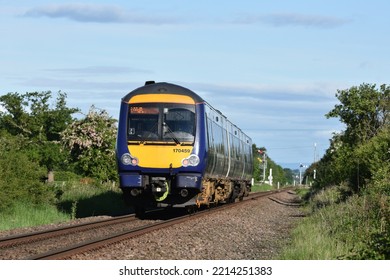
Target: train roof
{"points": [[163, 88]]}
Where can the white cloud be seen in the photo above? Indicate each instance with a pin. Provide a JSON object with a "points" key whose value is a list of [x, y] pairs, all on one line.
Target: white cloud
{"points": [[293, 19], [97, 13]]}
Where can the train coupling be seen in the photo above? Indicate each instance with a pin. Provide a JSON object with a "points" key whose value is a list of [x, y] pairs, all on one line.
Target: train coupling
{"points": [[159, 187]]}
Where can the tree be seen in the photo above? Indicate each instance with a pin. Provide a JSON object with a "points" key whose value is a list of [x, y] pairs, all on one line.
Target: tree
{"points": [[91, 142], [20, 177], [31, 117], [364, 110], [362, 150], [258, 162], [14, 119], [278, 173]]}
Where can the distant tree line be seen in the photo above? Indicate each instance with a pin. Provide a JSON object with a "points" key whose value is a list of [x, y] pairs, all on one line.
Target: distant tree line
{"points": [[280, 175]]}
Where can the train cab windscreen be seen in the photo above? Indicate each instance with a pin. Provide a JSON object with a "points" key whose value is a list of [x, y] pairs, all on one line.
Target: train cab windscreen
{"points": [[152, 122]]}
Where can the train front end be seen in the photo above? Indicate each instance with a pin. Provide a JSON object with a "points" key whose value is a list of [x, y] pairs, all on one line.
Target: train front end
{"points": [[160, 150]]}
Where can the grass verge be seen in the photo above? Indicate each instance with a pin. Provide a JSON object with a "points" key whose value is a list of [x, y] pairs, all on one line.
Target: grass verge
{"points": [[342, 227], [27, 215], [74, 200], [258, 187]]}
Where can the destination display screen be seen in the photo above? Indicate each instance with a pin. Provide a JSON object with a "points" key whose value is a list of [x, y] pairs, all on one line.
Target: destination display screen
{"points": [[144, 110]]}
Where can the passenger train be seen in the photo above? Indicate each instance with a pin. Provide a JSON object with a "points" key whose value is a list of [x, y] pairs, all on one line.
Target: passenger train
{"points": [[175, 150]]}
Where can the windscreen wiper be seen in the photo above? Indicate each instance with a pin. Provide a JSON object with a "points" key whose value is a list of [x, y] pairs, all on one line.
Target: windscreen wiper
{"points": [[172, 134]]}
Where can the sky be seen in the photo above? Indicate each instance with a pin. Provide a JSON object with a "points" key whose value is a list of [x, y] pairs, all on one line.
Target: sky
{"points": [[272, 67]]}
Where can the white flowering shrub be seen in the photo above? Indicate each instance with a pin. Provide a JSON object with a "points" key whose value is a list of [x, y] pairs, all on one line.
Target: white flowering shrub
{"points": [[91, 143]]}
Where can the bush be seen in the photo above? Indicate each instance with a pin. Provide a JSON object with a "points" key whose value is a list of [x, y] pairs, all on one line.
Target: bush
{"points": [[357, 227], [362, 223], [91, 142], [331, 195], [62, 176], [20, 178]]}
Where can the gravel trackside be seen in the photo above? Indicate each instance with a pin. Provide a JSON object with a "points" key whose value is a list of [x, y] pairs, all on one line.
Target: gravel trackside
{"points": [[256, 230]]}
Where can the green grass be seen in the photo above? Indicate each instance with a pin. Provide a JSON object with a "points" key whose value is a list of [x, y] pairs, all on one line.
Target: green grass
{"points": [[27, 215], [84, 200], [311, 242], [74, 200], [340, 227], [258, 187]]}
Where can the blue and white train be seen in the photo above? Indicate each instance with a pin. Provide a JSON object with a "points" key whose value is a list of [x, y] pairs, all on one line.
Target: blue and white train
{"points": [[175, 150]]}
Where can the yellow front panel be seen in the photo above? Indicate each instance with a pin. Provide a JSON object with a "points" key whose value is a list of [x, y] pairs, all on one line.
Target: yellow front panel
{"points": [[150, 156], [158, 98]]}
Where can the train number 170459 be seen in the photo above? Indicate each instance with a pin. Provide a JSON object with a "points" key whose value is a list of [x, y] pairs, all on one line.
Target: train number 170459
{"points": [[181, 150]]}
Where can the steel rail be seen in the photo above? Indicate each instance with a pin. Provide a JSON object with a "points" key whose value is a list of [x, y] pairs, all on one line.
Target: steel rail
{"points": [[46, 234]]}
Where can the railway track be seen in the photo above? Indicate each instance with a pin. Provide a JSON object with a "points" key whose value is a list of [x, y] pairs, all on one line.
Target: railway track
{"points": [[25, 246], [107, 239], [46, 234]]}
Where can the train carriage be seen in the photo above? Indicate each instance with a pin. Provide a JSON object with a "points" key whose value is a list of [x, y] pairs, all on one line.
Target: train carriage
{"points": [[175, 150]]}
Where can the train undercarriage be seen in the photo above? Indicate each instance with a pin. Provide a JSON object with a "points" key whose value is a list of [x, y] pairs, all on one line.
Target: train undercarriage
{"points": [[160, 194], [216, 191]]}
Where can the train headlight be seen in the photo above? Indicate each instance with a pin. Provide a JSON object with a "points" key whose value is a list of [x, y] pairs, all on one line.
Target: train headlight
{"points": [[127, 159], [192, 160]]}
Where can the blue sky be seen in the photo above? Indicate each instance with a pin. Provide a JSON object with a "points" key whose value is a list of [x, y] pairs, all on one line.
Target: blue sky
{"points": [[272, 67]]}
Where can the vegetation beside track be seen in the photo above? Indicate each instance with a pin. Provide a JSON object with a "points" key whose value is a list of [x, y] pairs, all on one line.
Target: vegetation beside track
{"points": [[348, 207], [259, 187], [341, 227], [74, 200]]}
